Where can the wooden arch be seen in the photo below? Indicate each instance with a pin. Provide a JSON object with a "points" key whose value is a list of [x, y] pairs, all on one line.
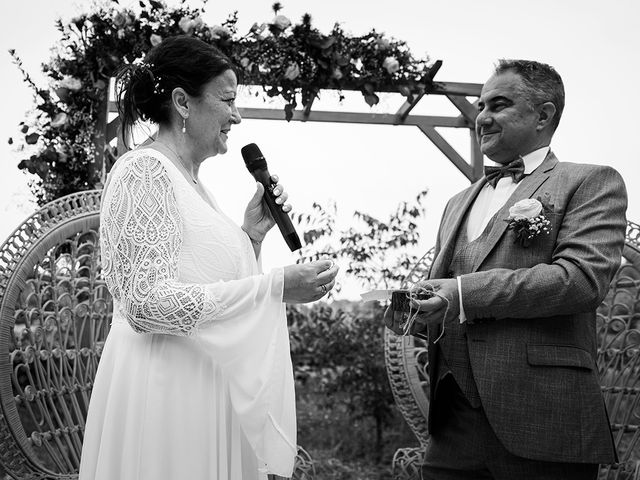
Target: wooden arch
{"points": [[457, 93]]}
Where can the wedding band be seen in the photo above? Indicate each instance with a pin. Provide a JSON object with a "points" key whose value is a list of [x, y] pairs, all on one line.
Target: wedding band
{"points": [[323, 288]]}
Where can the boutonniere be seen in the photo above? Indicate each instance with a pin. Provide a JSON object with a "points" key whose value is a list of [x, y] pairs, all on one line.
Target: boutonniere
{"points": [[527, 220]]}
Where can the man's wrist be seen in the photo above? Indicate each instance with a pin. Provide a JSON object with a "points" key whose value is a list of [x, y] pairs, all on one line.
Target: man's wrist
{"points": [[463, 317]]}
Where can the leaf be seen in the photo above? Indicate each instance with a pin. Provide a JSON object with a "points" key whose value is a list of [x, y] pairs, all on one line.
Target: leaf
{"points": [[32, 138], [288, 112], [368, 88], [328, 42], [371, 99]]}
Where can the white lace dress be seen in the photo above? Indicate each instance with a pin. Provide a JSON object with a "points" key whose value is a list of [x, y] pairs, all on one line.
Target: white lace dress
{"points": [[195, 380]]}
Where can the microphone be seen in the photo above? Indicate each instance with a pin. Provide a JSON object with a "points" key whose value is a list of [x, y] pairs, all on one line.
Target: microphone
{"points": [[257, 166]]}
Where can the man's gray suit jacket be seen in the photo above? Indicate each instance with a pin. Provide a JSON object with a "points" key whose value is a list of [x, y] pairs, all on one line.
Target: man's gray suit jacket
{"points": [[531, 328]]}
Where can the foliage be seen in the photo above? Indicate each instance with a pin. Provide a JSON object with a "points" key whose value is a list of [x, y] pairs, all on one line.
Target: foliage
{"points": [[338, 351], [64, 141], [378, 253], [339, 354]]}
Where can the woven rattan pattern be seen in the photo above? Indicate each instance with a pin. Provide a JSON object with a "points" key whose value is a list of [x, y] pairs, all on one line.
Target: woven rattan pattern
{"points": [[55, 313], [618, 363]]}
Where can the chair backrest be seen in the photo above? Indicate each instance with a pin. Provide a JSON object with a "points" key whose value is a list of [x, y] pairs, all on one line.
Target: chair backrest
{"points": [[618, 324], [55, 313]]}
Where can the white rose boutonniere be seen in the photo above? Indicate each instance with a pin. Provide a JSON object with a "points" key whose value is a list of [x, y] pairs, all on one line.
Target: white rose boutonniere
{"points": [[527, 220]]}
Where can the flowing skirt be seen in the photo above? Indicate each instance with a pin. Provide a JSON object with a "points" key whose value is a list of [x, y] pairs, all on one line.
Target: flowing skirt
{"points": [[160, 410]]}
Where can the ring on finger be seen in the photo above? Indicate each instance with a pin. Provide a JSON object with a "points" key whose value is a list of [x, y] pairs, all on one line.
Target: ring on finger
{"points": [[323, 288]]}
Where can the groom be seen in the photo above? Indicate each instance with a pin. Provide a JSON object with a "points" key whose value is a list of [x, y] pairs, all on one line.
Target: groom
{"points": [[514, 387]]}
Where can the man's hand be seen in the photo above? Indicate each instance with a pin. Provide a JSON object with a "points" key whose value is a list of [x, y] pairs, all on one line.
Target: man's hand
{"points": [[436, 310]]}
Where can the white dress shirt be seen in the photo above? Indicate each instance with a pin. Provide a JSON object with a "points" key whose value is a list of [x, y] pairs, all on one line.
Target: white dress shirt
{"points": [[490, 200]]}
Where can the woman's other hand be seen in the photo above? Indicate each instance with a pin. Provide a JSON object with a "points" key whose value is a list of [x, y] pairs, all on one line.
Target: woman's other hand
{"points": [[257, 217], [308, 282]]}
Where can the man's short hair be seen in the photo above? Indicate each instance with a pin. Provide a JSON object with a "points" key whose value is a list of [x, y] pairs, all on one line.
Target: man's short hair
{"points": [[541, 81]]}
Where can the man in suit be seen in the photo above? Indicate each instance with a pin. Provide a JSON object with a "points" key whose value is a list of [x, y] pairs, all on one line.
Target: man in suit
{"points": [[514, 387]]}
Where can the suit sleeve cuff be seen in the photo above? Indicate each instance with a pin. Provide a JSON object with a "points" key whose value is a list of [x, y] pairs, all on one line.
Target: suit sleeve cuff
{"points": [[463, 317]]}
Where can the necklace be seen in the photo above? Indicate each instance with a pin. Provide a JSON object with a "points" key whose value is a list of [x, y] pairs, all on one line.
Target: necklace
{"points": [[180, 160]]}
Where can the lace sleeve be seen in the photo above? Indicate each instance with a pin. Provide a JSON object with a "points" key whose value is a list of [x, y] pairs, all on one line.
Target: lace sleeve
{"points": [[141, 238]]}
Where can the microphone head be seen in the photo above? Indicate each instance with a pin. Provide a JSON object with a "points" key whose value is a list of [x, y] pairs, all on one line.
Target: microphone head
{"points": [[253, 157]]}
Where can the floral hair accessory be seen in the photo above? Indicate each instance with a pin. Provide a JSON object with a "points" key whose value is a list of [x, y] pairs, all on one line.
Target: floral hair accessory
{"points": [[527, 219]]}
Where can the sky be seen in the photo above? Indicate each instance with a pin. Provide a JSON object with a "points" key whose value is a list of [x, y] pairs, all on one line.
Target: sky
{"points": [[594, 46]]}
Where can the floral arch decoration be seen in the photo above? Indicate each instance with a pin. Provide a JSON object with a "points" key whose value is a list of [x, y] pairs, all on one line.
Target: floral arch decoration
{"points": [[66, 139]]}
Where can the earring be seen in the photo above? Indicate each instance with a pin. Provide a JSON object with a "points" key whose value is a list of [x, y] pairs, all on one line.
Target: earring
{"points": [[184, 125]]}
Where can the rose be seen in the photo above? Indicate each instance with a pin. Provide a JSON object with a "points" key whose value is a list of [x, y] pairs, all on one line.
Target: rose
{"points": [[198, 22], [120, 19], [391, 64], [383, 43], [292, 71], [337, 73], [245, 62], [218, 32], [525, 209], [155, 39], [281, 22], [70, 83], [59, 120], [186, 24]]}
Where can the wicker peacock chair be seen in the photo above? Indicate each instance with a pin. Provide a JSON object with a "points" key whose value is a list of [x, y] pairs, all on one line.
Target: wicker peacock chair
{"points": [[55, 313], [618, 324]]}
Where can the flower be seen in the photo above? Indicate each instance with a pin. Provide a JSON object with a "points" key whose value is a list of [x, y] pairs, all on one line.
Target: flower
{"points": [[71, 83], [391, 64], [525, 209], [245, 62], [337, 73], [120, 19], [59, 120], [155, 39], [198, 22], [187, 25], [292, 71], [218, 32], [383, 43], [527, 220], [281, 22]]}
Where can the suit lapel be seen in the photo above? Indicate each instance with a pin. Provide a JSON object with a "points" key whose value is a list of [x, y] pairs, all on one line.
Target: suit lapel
{"points": [[450, 228], [526, 189]]}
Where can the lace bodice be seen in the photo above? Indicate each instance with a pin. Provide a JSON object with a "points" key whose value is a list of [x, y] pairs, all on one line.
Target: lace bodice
{"points": [[164, 247]]}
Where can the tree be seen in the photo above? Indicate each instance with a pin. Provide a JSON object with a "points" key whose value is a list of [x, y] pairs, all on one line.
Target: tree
{"points": [[342, 351]]}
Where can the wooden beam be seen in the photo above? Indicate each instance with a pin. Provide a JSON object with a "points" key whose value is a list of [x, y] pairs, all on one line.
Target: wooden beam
{"points": [[477, 160], [448, 151], [406, 107], [353, 117], [456, 88], [468, 109]]}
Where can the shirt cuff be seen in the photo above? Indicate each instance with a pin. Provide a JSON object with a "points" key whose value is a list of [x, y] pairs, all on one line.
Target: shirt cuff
{"points": [[463, 317]]}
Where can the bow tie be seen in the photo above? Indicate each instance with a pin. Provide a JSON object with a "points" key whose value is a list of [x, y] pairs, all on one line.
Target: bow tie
{"points": [[515, 169]]}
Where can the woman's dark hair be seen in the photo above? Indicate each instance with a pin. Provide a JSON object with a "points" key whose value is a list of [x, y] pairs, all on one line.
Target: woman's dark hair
{"points": [[143, 90]]}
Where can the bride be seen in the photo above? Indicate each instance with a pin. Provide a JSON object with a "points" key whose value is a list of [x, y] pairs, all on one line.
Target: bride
{"points": [[195, 380]]}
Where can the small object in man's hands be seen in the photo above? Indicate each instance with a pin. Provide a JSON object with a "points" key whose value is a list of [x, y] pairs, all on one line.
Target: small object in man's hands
{"points": [[400, 299]]}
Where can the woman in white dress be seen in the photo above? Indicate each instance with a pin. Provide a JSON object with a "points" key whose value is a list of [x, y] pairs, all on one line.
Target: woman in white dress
{"points": [[195, 380]]}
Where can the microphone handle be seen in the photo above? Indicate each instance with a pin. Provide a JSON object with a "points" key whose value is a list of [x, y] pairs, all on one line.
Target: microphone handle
{"points": [[282, 219]]}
